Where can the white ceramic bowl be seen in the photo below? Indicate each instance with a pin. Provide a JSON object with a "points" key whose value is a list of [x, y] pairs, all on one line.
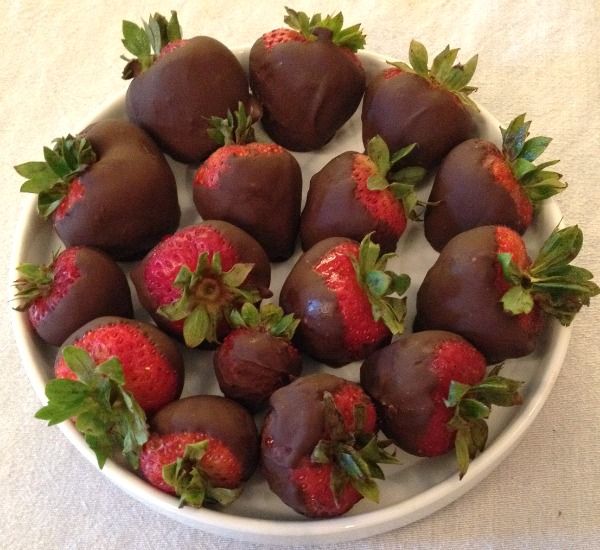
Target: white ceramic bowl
{"points": [[412, 490]]}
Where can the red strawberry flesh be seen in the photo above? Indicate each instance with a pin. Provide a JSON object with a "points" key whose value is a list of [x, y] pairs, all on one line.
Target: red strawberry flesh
{"points": [[280, 36], [75, 193]]}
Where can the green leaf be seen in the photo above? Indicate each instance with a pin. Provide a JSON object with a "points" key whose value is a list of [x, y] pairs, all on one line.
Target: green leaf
{"points": [[250, 315], [377, 183], [367, 488], [236, 276], [402, 153], [522, 167], [455, 393], [222, 496], [322, 452], [79, 361], [409, 175], [514, 136], [511, 271], [65, 399], [560, 248], [461, 446], [417, 56], [112, 369], [534, 147], [378, 282], [135, 39], [178, 310], [286, 327], [197, 327], [173, 28], [517, 300], [472, 408], [400, 283], [378, 152]]}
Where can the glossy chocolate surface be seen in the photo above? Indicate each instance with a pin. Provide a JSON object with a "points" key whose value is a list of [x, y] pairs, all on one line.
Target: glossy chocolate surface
{"points": [[130, 196]]}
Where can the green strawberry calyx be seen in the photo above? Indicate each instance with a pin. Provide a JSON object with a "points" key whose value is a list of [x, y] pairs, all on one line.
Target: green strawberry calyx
{"points": [[401, 182], [147, 41], [269, 318], [472, 406], [107, 415], [50, 178], [207, 296], [381, 285], [355, 456], [520, 151], [236, 128], [191, 483], [558, 288], [351, 37], [453, 77], [35, 281]]}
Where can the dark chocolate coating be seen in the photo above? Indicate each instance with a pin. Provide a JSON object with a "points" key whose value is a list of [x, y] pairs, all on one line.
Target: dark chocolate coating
{"points": [[331, 209], [217, 417], [409, 109], [176, 96], [308, 90], [459, 294], [252, 364], [247, 250], [164, 345], [468, 195], [260, 194], [321, 330], [292, 428], [101, 289], [400, 381], [130, 196]]}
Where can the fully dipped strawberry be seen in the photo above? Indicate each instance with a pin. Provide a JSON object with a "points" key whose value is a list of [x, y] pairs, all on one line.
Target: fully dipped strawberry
{"points": [[416, 104], [109, 188], [202, 449], [255, 186], [192, 279], [432, 394], [178, 84], [479, 184], [319, 450], [355, 194], [79, 285], [344, 298], [485, 288], [308, 78], [257, 357]]}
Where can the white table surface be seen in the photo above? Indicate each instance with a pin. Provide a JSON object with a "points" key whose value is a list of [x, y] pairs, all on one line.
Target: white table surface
{"points": [[61, 61]]}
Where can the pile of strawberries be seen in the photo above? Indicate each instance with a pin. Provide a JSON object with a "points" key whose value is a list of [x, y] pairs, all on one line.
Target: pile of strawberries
{"points": [[112, 197]]}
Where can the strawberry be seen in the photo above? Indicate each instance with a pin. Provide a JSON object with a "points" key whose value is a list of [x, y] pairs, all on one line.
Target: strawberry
{"points": [[255, 186], [79, 285], [477, 184], [342, 294], [485, 288], [355, 194], [414, 104], [178, 84], [201, 449], [432, 394], [109, 188], [151, 362], [319, 450], [257, 357], [192, 279], [308, 78]]}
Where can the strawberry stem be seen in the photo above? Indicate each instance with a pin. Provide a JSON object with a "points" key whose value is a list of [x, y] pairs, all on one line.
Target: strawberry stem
{"points": [[235, 128]]}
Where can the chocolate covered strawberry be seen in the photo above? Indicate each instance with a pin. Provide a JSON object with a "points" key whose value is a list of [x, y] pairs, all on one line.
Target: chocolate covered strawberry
{"points": [[151, 361], [178, 84], [192, 279], [344, 298], [432, 394], [79, 285], [355, 194], [319, 450], [485, 288], [255, 186], [257, 357], [308, 78], [416, 104], [202, 449], [108, 187], [477, 184]]}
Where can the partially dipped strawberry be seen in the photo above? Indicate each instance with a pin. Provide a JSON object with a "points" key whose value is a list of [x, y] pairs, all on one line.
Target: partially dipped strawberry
{"points": [[95, 397], [432, 394], [178, 84], [485, 288], [257, 356], [355, 194], [202, 449], [151, 362], [308, 78], [108, 187], [416, 104], [255, 186], [319, 449], [344, 297], [79, 285], [192, 279], [479, 184]]}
